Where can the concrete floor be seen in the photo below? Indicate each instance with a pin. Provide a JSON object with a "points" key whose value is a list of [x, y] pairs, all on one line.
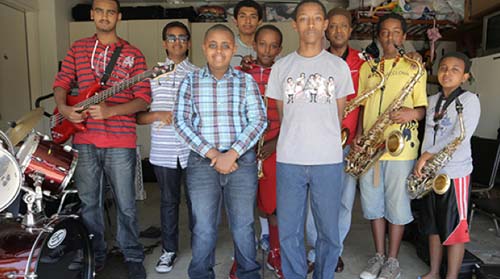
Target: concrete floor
{"points": [[358, 246]]}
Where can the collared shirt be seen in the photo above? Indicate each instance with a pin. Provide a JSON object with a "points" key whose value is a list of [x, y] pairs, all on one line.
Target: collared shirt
{"points": [[165, 146], [221, 114]]}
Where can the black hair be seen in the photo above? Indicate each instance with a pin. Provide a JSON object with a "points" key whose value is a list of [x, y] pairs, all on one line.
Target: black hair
{"points": [[117, 4], [342, 12], [395, 16], [294, 15], [172, 25], [250, 4], [218, 27], [271, 28], [461, 56]]}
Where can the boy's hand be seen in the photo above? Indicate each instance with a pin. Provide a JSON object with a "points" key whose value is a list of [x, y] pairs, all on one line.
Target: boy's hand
{"points": [[417, 170], [165, 117], [355, 144], [246, 62], [225, 163], [267, 149], [403, 115], [212, 155], [73, 114], [100, 111]]}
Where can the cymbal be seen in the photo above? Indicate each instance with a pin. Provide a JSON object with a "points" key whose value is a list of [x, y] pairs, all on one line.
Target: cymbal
{"points": [[22, 127]]}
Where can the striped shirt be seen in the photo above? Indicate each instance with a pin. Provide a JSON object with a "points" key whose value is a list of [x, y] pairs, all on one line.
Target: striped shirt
{"points": [[83, 66], [165, 146], [223, 114]]}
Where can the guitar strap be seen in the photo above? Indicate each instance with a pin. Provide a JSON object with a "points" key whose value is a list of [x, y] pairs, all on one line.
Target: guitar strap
{"points": [[111, 65]]}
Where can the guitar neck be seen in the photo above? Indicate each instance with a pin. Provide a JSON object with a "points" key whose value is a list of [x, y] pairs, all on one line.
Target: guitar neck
{"points": [[103, 95]]}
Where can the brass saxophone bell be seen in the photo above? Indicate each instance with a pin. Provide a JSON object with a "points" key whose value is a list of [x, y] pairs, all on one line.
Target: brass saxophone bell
{"points": [[441, 184], [395, 143]]}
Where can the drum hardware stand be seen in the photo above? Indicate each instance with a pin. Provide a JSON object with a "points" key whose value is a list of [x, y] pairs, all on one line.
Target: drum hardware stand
{"points": [[65, 194], [33, 200]]}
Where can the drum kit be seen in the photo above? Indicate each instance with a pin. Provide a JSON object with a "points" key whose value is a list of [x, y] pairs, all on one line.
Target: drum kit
{"points": [[35, 170]]}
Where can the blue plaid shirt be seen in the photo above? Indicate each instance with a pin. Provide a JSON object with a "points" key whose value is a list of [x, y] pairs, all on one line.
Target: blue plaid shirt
{"points": [[221, 114]]}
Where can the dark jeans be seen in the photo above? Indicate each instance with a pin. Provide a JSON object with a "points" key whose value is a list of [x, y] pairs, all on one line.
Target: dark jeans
{"points": [[170, 181], [207, 188], [118, 167]]}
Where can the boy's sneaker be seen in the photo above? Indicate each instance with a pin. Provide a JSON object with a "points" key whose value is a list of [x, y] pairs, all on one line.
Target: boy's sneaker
{"points": [[166, 262], [373, 267], [390, 270], [264, 242], [136, 270], [310, 266], [274, 262], [232, 272]]}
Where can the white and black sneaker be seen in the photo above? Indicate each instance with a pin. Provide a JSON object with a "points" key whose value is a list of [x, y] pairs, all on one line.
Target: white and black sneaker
{"points": [[166, 262]]}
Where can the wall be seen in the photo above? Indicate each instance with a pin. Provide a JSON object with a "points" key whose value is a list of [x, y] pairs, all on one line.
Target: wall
{"points": [[48, 39], [485, 71]]}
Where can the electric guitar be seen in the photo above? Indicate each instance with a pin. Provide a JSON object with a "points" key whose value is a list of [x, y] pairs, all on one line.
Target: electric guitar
{"points": [[62, 129]]}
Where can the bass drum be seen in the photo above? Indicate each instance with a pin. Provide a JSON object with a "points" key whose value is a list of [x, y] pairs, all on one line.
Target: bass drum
{"points": [[51, 250]]}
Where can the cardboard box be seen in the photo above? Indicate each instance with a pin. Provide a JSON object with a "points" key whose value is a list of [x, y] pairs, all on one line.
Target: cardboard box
{"points": [[475, 9]]}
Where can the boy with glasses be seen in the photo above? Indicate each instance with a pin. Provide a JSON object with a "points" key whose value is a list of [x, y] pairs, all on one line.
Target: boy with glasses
{"points": [[168, 155]]}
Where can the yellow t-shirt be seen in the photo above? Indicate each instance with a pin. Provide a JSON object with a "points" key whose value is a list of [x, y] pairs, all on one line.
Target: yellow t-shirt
{"points": [[376, 104]]}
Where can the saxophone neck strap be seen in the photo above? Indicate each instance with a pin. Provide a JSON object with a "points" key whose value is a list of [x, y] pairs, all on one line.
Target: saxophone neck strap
{"points": [[440, 112]]}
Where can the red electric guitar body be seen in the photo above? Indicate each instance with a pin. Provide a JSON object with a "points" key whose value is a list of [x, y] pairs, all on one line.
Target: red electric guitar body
{"points": [[62, 129]]}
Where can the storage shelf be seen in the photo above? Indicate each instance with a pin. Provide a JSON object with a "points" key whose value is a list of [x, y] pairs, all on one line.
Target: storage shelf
{"points": [[363, 27]]}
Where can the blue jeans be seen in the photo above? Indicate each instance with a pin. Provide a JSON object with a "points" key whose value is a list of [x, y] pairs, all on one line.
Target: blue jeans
{"points": [[118, 167], [345, 213], [324, 187], [170, 181], [206, 189]]}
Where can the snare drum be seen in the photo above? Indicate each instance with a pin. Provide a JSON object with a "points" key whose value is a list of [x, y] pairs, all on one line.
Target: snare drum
{"points": [[46, 252], [55, 163], [11, 179]]}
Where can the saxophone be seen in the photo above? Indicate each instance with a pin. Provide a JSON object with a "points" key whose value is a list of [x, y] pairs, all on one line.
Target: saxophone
{"points": [[372, 142], [354, 103], [419, 186]]}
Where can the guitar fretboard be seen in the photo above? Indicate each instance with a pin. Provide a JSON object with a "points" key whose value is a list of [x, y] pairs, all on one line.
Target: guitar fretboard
{"points": [[103, 95]]}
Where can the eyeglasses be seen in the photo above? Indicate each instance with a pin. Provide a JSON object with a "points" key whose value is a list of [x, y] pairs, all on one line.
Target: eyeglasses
{"points": [[174, 38]]}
